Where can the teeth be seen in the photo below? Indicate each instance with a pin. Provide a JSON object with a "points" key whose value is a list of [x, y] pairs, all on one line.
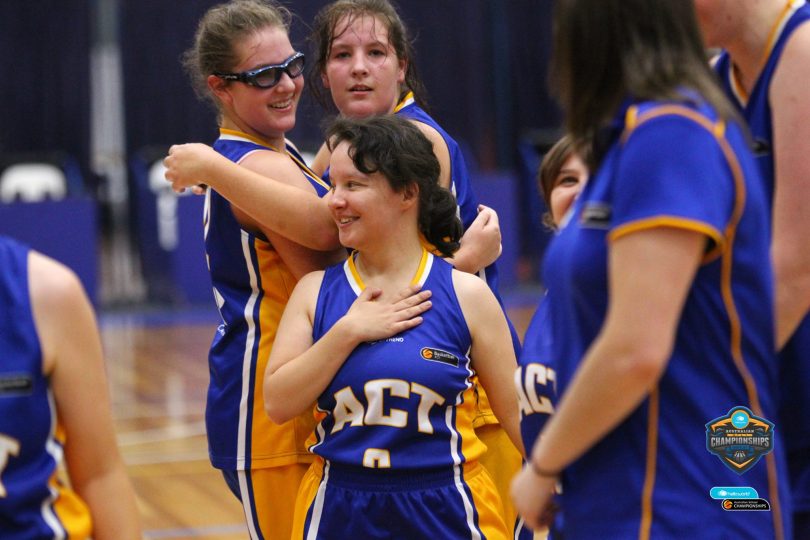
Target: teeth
{"points": [[282, 105], [343, 221]]}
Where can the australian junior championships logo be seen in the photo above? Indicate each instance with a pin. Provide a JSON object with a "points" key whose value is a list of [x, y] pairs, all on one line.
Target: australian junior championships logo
{"points": [[739, 439]]}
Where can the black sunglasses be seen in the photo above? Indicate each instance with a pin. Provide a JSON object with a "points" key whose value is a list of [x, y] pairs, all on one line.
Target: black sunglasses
{"points": [[268, 76]]}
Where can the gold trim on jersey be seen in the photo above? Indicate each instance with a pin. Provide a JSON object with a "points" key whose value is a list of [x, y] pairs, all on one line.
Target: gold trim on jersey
{"points": [[717, 129], [419, 277], [773, 35], [407, 100], [231, 134]]}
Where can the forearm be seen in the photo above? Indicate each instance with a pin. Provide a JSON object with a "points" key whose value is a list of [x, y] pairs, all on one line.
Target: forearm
{"points": [[291, 212], [590, 407], [466, 259], [112, 505], [792, 299], [294, 386]]}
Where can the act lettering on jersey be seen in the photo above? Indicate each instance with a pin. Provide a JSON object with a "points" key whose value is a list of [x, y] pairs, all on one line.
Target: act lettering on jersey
{"points": [[532, 400], [350, 410], [8, 447]]}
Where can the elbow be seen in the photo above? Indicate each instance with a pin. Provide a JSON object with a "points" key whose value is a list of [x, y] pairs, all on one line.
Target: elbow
{"points": [[274, 405]]}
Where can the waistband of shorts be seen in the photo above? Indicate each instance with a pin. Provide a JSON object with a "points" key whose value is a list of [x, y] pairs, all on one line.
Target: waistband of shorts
{"points": [[396, 479]]}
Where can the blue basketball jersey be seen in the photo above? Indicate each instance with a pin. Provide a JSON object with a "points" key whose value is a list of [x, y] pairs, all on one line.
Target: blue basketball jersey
{"points": [[405, 402], [252, 285], [460, 181], [794, 359], [34, 502], [654, 470]]}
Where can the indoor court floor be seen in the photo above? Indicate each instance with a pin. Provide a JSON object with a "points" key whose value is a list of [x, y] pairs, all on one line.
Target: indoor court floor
{"points": [[158, 372]]}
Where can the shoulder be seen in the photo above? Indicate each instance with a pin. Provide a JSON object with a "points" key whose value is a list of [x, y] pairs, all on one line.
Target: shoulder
{"points": [[792, 74], [472, 291], [57, 298], [276, 165]]}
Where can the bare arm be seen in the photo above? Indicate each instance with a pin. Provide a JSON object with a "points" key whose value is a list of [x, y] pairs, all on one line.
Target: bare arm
{"points": [[73, 358], [481, 242], [299, 370], [631, 351], [492, 353], [321, 161], [299, 259], [790, 245], [291, 212]]}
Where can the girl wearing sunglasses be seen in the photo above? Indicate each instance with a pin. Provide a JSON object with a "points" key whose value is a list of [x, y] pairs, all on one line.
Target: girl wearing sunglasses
{"points": [[242, 60]]}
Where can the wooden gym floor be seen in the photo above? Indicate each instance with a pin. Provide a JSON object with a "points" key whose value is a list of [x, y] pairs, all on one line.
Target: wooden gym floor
{"points": [[158, 377]]}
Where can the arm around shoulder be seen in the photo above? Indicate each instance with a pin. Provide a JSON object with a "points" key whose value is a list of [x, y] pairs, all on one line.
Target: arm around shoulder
{"points": [[74, 361]]}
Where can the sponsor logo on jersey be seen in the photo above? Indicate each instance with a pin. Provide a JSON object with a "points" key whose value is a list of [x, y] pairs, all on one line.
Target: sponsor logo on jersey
{"points": [[596, 215], [438, 355], [739, 439], [16, 384]]}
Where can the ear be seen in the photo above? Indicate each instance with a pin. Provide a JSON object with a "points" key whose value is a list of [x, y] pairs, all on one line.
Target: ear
{"points": [[410, 195], [219, 88], [403, 67], [324, 79]]}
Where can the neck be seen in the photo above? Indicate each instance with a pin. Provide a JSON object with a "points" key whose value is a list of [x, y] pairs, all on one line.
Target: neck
{"points": [[750, 47], [276, 140], [392, 265]]}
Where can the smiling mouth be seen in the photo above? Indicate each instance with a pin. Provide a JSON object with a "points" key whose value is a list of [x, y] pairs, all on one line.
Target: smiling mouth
{"points": [[360, 88], [281, 105], [345, 220]]}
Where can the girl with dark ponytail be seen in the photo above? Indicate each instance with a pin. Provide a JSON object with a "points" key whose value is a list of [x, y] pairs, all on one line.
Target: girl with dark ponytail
{"points": [[388, 344]]}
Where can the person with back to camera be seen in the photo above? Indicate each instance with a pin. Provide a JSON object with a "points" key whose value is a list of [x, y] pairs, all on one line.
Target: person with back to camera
{"points": [[561, 177], [397, 455], [54, 405], [765, 71], [243, 61], [658, 291]]}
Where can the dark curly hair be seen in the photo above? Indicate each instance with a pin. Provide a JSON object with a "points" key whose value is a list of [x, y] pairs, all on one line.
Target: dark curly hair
{"points": [[396, 148]]}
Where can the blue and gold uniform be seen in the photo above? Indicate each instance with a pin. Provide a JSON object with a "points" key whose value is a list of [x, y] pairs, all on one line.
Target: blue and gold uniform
{"points": [[651, 476], [396, 446], [251, 287], [535, 384], [34, 502], [502, 459], [794, 359]]}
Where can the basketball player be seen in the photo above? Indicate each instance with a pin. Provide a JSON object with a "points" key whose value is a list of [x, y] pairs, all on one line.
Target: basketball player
{"points": [[364, 57], [53, 405], [561, 177], [392, 372], [765, 71], [658, 289], [243, 61]]}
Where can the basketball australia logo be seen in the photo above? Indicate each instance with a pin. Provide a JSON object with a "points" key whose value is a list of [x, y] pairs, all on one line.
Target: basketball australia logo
{"points": [[739, 439]]}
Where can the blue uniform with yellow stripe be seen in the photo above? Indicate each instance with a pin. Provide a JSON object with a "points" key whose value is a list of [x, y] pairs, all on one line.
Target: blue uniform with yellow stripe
{"points": [[34, 502], [535, 384], [794, 359], [395, 438], [651, 476], [252, 285]]}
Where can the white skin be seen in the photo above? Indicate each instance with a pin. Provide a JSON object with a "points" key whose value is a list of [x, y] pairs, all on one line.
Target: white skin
{"points": [[568, 182], [364, 76], [268, 114], [743, 27], [382, 225], [73, 360]]}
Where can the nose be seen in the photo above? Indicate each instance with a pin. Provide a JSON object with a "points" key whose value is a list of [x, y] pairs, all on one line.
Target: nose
{"points": [[359, 66], [286, 82], [334, 199]]}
